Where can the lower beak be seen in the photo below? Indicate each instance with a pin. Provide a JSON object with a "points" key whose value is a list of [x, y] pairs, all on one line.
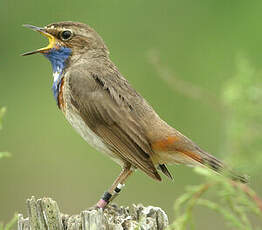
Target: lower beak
{"points": [[51, 39]]}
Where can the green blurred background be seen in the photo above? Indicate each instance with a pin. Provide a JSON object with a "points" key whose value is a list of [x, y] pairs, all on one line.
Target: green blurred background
{"points": [[197, 40]]}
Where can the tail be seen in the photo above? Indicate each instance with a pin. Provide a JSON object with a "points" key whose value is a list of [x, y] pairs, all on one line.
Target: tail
{"points": [[180, 149], [209, 161]]}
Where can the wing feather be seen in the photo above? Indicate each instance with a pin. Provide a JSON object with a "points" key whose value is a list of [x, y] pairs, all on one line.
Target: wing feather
{"points": [[105, 107]]}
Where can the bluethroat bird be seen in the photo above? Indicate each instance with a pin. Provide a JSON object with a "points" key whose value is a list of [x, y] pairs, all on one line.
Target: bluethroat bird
{"points": [[108, 112]]}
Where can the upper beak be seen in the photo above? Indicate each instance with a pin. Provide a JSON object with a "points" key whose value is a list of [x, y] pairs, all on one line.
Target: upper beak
{"points": [[51, 39]]}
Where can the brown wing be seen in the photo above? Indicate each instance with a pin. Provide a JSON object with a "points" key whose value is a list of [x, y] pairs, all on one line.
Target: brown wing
{"points": [[103, 106]]}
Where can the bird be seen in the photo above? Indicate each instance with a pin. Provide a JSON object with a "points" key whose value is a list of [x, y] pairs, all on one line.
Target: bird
{"points": [[109, 113]]}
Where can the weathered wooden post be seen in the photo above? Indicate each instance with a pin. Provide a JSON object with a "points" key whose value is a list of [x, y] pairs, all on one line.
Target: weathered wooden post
{"points": [[44, 214]]}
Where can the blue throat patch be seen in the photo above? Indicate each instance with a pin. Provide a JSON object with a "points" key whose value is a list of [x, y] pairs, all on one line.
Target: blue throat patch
{"points": [[58, 58]]}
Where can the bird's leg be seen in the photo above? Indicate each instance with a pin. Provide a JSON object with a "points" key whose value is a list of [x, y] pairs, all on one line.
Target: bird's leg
{"points": [[119, 186], [115, 188]]}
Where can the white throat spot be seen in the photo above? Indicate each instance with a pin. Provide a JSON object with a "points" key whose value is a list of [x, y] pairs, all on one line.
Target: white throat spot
{"points": [[56, 76]]}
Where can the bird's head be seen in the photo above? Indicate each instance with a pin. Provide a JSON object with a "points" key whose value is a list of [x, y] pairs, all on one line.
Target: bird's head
{"points": [[67, 39]]}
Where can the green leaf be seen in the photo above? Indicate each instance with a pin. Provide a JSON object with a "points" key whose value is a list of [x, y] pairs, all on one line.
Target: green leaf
{"points": [[4, 154], [232, 219], [2, 113], [10, 225]]}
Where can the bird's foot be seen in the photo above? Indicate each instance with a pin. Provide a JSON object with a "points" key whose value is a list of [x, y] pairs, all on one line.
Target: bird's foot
{"points": [[102, 203]]}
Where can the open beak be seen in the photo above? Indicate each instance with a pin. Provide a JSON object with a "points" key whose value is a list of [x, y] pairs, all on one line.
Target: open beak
{"points": [[51, 39]]}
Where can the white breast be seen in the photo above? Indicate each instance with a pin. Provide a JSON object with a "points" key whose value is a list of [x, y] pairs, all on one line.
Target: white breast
{"points": [[89, 136], [74, 118], [77, 122]]}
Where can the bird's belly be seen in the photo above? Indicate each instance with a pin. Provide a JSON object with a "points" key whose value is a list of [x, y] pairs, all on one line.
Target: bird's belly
{"points": [[78, 123], [87, 134]]}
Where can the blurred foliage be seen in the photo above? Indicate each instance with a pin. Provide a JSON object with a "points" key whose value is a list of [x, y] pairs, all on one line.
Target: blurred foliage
{"points": [[4, 154], [236, 202], [2, 112], [242, 96], [10, 225]]}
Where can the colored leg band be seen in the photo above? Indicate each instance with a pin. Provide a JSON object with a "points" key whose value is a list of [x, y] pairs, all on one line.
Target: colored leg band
{"points": [[119, 187], [106, 197], [101, 204], [117, 190]]}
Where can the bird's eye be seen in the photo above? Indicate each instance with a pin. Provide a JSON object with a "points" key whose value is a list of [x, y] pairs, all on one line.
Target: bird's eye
{"points": [[65, 35]]}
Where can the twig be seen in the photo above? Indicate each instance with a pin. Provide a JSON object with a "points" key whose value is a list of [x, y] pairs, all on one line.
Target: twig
{"points": [[185, 87], [251, 193]]}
